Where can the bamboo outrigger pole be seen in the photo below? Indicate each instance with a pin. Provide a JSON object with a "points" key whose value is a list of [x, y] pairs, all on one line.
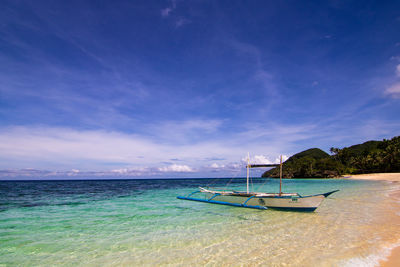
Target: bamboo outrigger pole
{"points": [[248, 169], [280, 177]]}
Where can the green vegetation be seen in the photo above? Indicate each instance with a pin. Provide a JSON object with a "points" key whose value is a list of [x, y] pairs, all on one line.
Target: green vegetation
{"points": [[369, 157]]}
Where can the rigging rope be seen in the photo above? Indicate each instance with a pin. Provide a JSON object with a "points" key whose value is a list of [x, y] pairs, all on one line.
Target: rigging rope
{"points": [[233, 177], [214, 181]]}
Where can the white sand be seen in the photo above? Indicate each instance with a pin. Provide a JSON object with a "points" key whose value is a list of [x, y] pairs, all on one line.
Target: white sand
{"points": [[376, 176]]}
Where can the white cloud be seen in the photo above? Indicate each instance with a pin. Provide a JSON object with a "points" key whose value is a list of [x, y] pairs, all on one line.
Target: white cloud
{"points": [[181, 21], [69, 146], [216, 166], [196, 143], [191, 141], [393, 91], [165, 12], [121, 171], [261, 159], [176, 168], [230, 169], [132, 171], [63, 144]]}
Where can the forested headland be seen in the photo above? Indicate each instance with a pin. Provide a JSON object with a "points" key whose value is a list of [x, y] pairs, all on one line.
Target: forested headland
{"points": [[368, 157]]}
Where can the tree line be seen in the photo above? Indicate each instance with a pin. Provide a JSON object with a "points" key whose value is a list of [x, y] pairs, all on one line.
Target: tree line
{"points": [[369, 157]]}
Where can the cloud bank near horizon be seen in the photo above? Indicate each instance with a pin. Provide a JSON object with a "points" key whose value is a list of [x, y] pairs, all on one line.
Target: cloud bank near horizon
{"points": [[99, 153], [65, 152]]}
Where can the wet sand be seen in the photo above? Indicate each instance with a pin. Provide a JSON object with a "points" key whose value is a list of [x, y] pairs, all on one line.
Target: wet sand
{"points": [[394, 259]]}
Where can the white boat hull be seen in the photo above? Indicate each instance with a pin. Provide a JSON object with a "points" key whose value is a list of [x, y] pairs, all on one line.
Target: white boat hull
{"points": [[281, 201], [306, 203]]}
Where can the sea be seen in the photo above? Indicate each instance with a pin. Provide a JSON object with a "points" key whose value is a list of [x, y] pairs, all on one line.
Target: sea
{"points": [[142, 223]]}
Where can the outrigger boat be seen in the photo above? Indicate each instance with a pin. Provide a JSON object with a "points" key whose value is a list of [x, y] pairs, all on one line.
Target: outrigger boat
{"points": [[259, 200]]}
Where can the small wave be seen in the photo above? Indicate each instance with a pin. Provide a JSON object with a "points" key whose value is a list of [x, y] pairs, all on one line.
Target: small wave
{"points": [[371, 260]]}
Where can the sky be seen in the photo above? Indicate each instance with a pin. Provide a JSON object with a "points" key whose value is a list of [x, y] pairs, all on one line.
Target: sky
{"points": [[156, 89]]}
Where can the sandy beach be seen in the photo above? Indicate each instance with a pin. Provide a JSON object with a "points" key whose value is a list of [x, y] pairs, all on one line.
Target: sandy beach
{"points": [[376, 176], [394, 258]]}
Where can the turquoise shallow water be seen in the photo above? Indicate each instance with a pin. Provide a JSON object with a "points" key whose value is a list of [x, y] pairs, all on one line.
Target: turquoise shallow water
{"points": [[140, 222]]}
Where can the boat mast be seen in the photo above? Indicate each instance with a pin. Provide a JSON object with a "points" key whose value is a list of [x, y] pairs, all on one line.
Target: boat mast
{"points": [[264, 165], [280, 177], [248, 169]]}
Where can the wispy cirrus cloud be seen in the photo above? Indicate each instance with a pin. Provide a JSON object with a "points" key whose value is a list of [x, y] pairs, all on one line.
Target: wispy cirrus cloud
{"points": [[178, 19], [393, 91], [165, 12], [184, 131], [260, 73], [181, 21]]}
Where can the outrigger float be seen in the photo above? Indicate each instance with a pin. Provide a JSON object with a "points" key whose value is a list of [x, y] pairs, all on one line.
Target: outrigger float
{"points": [[259, 200]]}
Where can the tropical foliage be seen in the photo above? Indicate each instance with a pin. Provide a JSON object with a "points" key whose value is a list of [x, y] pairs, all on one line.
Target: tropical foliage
{"points": [[369, 157]]}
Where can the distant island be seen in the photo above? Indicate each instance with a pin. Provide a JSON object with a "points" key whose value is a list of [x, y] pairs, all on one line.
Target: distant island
{"points": [[368, 157]]}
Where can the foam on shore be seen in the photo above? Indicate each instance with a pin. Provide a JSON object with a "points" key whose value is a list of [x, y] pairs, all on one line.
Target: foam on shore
{"points": [[390, 256]]}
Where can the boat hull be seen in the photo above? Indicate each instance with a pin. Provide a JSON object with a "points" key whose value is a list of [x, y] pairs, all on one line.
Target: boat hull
{"points": [[279, 201], [300, 203]]}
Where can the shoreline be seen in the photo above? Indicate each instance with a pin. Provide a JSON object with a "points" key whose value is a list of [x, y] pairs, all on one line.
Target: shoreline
{"points": [[393, 259], [392, 176]]}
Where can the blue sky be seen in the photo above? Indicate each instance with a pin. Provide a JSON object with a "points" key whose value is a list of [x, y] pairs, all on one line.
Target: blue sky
{"points": [[187, 88]]}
